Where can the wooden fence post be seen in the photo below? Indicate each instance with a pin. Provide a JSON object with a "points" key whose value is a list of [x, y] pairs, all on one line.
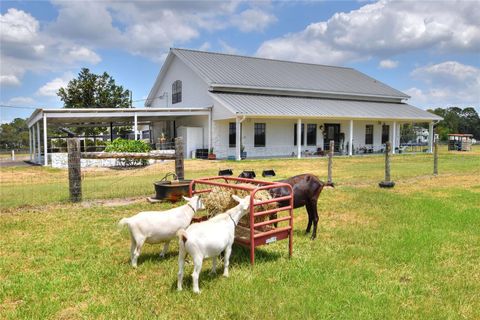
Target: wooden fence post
{"points": [[330, 160], [435, 157], [74, 169], [387, 183], [179, 166]]}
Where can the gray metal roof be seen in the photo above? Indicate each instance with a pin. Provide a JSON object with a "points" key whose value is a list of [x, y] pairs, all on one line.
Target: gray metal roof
{"points": [[280, 106], [241, 71]]}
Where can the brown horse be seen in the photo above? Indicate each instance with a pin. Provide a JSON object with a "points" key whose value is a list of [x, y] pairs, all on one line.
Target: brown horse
{"points": [[306, 190]]}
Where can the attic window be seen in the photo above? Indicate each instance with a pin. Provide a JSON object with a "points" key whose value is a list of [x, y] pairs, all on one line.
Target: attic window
{"points": [[176, 91]]}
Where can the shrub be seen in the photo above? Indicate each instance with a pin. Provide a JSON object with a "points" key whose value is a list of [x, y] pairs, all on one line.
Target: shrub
{"points": [[124, 145]]}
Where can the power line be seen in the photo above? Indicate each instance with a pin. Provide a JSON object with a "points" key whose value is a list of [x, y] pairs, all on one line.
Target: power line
{"points": [[16, 107]]}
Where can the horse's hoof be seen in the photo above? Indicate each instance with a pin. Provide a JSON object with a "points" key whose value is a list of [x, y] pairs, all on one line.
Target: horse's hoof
{"points": [[313, 237]]}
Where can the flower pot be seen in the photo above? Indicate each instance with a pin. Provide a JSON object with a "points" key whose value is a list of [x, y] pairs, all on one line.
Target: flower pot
{"points": [[243, 155], [212, 156]]}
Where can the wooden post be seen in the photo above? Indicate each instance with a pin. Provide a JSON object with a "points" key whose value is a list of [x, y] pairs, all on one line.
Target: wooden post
{"points": [[74, 169], [179, 166], [330, 160], [13, 155], [435, 157], [387, 183]]}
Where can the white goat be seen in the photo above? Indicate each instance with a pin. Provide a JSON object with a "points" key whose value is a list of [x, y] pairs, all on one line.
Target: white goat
{"points": [[159, 226], [208, 239]]}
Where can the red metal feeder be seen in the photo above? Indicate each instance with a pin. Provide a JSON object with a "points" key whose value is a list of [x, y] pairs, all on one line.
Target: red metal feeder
{"points": [[260, 233]]}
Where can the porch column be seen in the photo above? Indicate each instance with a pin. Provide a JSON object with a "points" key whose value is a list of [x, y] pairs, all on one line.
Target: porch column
{"points": [[305, 135], [209, 134], [33, 143], [238, 139], [39, 146], [45, 146], [394, 137], [30, 142], [350, 139], [299, 138], [430, 137], [135, 125]]}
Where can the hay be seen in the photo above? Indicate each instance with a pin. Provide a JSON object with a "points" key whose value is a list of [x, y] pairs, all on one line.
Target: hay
{"points": [[220, 200]]}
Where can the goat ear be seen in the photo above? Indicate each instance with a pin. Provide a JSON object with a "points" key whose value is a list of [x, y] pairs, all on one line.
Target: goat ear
{"points": [[236, 198], [186, 199]]}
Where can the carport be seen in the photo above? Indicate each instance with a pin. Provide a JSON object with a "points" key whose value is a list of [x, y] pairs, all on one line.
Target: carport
{"points": [[41, 119]]}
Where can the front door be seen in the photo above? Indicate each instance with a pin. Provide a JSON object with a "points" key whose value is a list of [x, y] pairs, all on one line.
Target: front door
{"points": [[332, 132]]}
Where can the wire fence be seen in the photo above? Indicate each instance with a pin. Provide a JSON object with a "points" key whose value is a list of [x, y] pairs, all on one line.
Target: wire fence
{"points": [[33, 186]]}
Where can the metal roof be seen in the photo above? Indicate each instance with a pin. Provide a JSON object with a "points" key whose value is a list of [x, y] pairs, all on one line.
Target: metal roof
{"points": [[280, 106], [227, 71], [106, 115]]}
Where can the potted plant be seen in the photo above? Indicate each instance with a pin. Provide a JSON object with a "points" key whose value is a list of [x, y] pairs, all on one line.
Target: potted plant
{"points": [[211, 155], [243, 153]]}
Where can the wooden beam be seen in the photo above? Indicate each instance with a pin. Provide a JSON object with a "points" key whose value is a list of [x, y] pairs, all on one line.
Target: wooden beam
{"points": [[129, 155]]}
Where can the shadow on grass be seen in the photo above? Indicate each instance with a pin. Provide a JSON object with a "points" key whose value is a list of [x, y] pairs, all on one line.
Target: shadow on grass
{"points": [[240, 256], [155, 257]]}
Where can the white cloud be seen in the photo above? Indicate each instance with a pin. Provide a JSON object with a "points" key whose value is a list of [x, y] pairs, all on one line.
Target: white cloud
{"points": [[205, 46], [226, 48], [253, 20], [448, 83], [18, 26], [382, 29], [50, 89], [9, 80], [21, 101], [24, 47], [388, 64], [82, 54]]}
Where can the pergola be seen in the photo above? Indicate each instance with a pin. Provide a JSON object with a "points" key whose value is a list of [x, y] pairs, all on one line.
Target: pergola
{"points": [[100, 117]]}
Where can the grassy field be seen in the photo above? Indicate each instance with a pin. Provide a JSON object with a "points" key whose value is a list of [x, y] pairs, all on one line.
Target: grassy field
{"points": [[410, 252]]}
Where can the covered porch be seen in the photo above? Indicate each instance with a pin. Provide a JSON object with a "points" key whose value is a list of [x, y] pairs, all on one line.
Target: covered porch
{"points": [[42, 120]]}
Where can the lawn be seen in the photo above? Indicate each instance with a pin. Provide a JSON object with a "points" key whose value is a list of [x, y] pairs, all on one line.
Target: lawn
{"points": [[410, 252]]}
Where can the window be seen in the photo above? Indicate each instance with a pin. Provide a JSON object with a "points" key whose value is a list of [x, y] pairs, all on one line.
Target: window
{"points": [[385, 133], [176, 91], [369, 134], [232, 136], [295, 135], [311, 134], [259, 139]]}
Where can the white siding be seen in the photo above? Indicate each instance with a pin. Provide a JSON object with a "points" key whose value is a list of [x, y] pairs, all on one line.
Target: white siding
{"points": [[194, 90]]}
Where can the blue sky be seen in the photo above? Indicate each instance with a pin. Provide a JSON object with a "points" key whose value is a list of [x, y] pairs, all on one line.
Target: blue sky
{"points": [[427, 49]]}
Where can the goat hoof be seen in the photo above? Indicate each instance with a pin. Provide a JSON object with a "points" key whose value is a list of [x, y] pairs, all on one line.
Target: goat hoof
{"points": [[196, 291], [313, 237], [179, 289]]}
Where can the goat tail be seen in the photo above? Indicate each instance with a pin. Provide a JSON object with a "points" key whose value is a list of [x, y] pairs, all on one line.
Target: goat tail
{"points": [[122, 223], [330, 184], [182, 236]]}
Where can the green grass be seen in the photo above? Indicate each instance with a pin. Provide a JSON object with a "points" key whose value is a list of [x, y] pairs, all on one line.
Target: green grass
{"points": [[411, 252]]}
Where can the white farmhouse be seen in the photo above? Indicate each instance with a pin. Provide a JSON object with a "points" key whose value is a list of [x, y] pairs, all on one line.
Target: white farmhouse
{"points": [[263, 107], [280, 108]]}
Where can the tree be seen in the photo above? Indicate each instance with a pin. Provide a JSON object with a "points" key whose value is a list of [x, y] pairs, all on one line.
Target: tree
{"points": [[457, 120], [90, 90], [14, 135]]}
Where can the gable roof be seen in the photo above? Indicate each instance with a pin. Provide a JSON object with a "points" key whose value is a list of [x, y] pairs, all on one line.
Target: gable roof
{"points": [[235, 73], [277, 106]]}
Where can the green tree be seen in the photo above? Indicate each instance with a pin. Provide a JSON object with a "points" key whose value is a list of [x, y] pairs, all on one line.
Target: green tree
{"points": [[91, 90], [14, 135], [457, 120]]}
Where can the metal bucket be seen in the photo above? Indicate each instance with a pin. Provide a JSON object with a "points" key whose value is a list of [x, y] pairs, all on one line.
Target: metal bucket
{"points": [[172, 190]]}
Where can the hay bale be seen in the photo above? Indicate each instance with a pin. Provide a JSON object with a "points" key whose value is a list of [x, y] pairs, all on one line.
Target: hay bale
{"points": [[220, 200]]}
